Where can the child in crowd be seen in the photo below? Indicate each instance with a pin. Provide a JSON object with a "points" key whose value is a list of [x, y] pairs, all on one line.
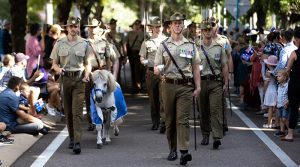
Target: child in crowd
{"points": [[24, 105], [271, 92], [282, 101], [8, 63]]}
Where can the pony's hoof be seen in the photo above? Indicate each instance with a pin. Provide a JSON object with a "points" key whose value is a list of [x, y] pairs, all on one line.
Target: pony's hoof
{"points": [[99, 146], [116, 132], [104, 141]]}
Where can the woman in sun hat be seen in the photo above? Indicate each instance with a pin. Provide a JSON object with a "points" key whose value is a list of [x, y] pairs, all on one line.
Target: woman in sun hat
{"points": [[271, 92]]}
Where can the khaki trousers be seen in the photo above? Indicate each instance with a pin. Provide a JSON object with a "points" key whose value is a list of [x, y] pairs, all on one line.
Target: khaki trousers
{"points": [[211, 113], [152, 82], [73, 98], [177, 101]]}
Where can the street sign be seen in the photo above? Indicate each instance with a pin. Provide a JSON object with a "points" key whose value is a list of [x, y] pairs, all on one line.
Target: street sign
{"points": [[242, 7]]}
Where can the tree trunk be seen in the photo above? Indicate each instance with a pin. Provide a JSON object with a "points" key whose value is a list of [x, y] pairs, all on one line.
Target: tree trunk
{"points": [[261, 19], [63, 11], [18, 11], [85, 12]]}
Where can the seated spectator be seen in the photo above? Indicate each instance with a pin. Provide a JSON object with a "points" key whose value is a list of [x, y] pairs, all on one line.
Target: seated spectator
{"points": [[10, 112], [8, 63], [48, 86], [3, 138], [18, 70]]}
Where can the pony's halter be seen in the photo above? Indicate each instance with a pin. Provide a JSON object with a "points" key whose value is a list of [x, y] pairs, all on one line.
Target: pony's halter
{"points": [[100, 90]]}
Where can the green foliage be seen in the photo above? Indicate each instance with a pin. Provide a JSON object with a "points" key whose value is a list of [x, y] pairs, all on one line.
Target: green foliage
{"points": [[5, 11]]}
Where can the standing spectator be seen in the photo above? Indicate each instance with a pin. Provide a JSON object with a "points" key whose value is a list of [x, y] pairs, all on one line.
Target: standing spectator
{"points": [[177, 86], [282, 102], [287, 38], [273, 46], [6, 38], [71, 59], [293, 68], [33, 48], [271, 92], [53, 36]]}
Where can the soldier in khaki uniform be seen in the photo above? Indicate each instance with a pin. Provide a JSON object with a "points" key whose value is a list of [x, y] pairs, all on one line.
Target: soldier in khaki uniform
{"points": [[106, 56], [214, 72], [147, 53], [223, 40], [117, 40], [178, 92], [71, 59], [132, 46]]}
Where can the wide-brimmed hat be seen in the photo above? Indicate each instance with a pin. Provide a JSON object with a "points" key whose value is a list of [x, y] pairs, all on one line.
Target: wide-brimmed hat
{"points": [[21, 56], [136, 22], [213, 21], [155, 22], [73, 21], [55, 28], [93, 23], [271, 60], [177, 16], [112, 21], [252, 32], [205, 25]]}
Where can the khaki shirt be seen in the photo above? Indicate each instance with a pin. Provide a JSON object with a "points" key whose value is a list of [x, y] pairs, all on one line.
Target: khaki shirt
{"points": [[130, 38], [115, 39], [184, 53], [216, 55], [104, 51], [223, 40], [149, 49], [72, 56]]}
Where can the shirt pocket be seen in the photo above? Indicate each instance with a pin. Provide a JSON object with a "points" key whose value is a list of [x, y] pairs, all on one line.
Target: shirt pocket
{"points": [[63, 54]]}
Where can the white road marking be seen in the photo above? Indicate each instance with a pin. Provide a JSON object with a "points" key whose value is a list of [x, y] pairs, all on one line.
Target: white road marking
{"points": [[283, 157], [50, 150]]}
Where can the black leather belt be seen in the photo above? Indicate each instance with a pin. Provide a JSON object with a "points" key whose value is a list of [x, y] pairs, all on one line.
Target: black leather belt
{"points": [[178, 81], [150, 68], [211, 77], [72, 73]]}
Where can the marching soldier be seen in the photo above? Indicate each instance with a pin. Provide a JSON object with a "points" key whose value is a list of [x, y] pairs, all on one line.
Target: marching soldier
{"points": [[147, 53], [105, 55], [116, 39], [71, 59], [223, 40], [132, 46], [178, 60], [214, 72]]}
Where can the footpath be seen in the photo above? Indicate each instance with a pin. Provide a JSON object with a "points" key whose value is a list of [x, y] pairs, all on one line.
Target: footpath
{"points": [[9, 153]]}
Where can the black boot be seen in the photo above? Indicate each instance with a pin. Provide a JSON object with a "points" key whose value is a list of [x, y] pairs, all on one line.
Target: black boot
{"points": [[71, 144], [185, 157], [205, 140], [162, 128], [216, 143], [172, 156], [77, 148]]}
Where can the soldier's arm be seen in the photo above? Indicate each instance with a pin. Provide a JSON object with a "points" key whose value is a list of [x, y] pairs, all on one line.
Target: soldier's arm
{"points": [[114, 59], [225, 71], [196, 73], [143, 52], [158, 60], [88, 62], [55, 58], [229, 57]]}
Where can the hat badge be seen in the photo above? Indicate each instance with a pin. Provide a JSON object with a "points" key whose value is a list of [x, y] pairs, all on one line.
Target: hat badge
{"points": [[73, 21]]}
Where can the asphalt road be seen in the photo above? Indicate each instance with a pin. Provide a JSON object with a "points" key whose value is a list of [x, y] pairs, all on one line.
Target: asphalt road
{"points": [[138, 146]]}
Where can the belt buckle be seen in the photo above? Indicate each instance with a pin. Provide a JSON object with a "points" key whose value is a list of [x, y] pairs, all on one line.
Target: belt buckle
{"points": [[175, 82]]}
